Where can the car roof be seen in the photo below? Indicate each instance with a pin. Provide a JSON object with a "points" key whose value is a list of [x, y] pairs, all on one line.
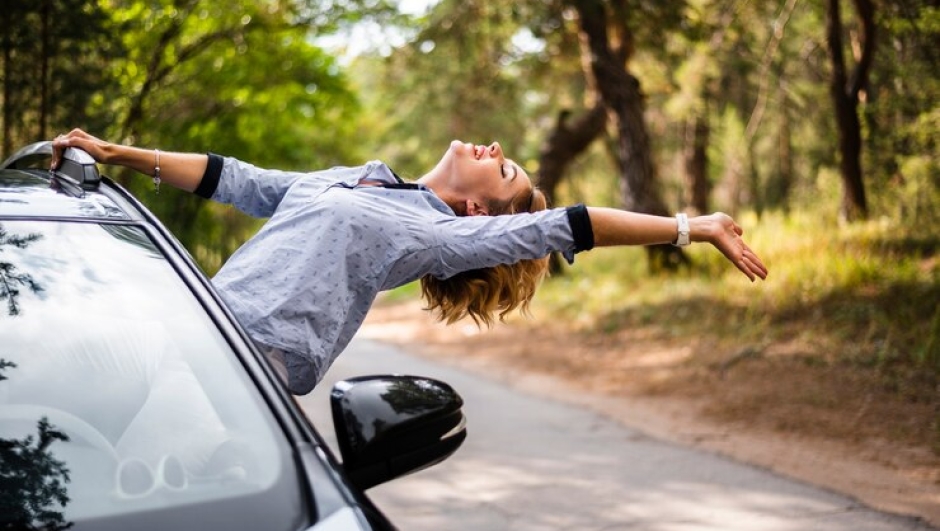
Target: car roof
{"points": [[35, 192], [27, 193]]}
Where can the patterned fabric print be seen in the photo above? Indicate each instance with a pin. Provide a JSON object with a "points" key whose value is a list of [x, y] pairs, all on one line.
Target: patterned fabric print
{"points": [[304, 283]]}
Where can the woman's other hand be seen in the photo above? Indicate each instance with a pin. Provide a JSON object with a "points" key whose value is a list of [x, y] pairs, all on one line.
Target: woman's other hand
{"points": [[722, 232]]}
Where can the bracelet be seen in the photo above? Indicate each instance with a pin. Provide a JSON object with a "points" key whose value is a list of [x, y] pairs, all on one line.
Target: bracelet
{"points": [[156, 171], [683, 239]]}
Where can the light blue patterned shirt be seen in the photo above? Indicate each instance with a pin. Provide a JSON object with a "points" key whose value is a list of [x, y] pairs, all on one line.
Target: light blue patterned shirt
{"points": [[304, 283]]}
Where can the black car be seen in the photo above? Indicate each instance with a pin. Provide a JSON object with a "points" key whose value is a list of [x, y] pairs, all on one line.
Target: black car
{"points": [[130, 398]]}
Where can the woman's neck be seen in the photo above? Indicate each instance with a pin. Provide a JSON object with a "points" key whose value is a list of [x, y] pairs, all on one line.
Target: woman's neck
{"points": [[437, 182]]}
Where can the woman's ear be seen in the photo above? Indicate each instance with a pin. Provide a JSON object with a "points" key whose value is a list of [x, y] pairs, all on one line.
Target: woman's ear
{"points": [[476, 209]]}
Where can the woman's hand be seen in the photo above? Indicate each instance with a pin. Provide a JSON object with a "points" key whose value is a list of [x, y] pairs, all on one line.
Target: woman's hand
{"points": [[722, 232], [97, 148], [181, 170]]}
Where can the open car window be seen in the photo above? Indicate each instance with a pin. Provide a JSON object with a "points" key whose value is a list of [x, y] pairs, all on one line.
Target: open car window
{"points": [[124, 391]]}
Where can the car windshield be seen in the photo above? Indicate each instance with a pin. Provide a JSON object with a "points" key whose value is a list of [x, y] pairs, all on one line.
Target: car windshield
{"points": [[118, 393]]}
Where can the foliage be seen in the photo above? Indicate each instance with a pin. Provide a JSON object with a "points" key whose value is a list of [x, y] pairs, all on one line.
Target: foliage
{"points": [[454, 79], [239, 78], [51, 67], [903, 118], [32, 480], [247, 78], [252, 79], [12, 280]]}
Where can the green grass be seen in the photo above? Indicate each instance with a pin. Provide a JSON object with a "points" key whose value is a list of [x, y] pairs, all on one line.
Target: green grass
{"points": [[869, 292]]}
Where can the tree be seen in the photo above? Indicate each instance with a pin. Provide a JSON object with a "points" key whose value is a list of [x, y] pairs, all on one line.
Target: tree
{"points": [[901, 117], [565, 142], [699, 50], [241, 78], [621, 94], [844, 90], [32, 480], [11, 278], [53, 62], [457, 78], [561, 72], [238, 78]]}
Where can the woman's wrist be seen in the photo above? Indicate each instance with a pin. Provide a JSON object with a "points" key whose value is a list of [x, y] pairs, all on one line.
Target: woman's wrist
{"points": [[121, 155], [110, 154], [138, 159], [701, 228]]}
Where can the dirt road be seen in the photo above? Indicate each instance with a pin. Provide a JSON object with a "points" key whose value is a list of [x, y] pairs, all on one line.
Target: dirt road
{"points": [[763, 412], [535, 461]]}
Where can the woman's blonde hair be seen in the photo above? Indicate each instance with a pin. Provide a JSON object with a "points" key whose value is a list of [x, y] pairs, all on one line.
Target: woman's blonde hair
{"points": [[484, 294]]}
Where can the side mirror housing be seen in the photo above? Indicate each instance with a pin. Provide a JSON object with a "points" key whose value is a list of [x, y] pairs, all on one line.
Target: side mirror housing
{"points": [[389, 426]]}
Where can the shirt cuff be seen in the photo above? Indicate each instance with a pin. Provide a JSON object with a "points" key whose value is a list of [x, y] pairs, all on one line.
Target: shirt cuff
{"points": [[580, 228], [210, 179]]}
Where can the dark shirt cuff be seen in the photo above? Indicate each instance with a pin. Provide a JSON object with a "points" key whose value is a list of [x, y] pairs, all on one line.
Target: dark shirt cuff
{"points": [[581, 228], [210, 179]]}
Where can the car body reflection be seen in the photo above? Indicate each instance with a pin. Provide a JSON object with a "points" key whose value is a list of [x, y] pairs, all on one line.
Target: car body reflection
{"points": [[12, 278], [32, 481]]}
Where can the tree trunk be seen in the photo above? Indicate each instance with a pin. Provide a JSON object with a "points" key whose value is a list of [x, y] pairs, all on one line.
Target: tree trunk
{"points": [[845, 98], [45, 58], [695, 162], [568, 139], [7, 94], [620, 91], [621, 94], [779, 191]]}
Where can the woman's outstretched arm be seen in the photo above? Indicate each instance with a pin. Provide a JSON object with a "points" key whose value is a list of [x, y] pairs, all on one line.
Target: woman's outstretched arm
{"points": [[621, 227], [180, 170]]}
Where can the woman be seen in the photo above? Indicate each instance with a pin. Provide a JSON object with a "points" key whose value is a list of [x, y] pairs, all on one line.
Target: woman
{"points": [[474, 230]]}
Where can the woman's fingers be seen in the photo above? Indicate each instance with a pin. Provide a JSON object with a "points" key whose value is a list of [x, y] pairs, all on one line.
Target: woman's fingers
{"points": [[56, 153], [74, 138], [755, 268], [744, 268], [757, 264], [59, 144]]}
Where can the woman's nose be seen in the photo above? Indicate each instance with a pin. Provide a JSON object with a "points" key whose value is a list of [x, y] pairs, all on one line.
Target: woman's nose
{"points": [[495, 149]]}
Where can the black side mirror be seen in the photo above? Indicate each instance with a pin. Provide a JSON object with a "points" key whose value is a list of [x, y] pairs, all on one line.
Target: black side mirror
{"points": [[389, 426]]}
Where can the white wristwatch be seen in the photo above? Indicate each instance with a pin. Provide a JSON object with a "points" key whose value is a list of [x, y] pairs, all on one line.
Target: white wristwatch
{"points": [[683, 238]]}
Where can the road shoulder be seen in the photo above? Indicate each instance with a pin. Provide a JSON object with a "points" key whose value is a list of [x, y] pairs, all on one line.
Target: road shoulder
{"points": [[852, 469]]}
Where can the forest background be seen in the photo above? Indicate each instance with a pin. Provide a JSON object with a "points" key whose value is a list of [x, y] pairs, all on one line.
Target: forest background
{"points": [[814, 122]]}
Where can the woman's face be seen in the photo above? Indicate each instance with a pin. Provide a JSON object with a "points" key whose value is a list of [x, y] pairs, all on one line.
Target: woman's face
{"points": [[485, 172]]}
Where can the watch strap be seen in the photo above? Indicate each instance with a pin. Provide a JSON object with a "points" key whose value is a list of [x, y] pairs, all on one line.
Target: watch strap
{"points": [[682, 221]]}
